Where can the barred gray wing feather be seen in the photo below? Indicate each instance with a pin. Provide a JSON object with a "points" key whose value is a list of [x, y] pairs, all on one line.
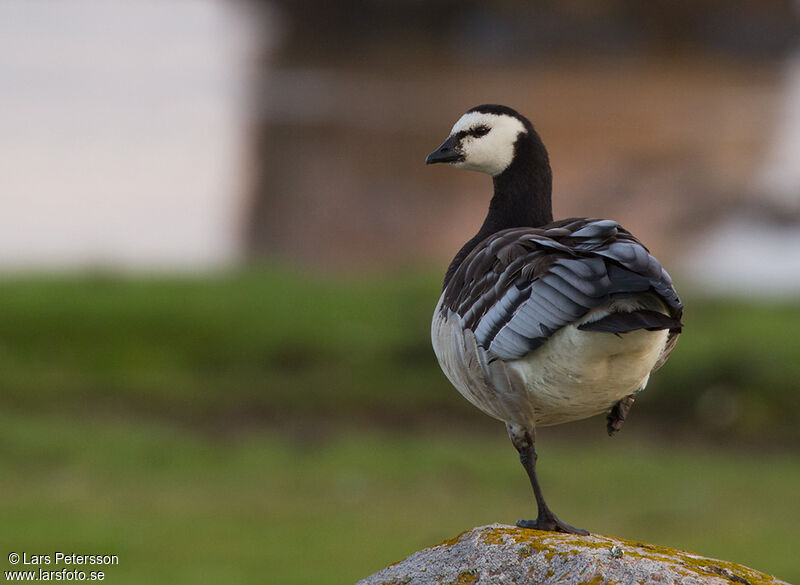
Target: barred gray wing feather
{"points": [[487, 383], [524, 284]]}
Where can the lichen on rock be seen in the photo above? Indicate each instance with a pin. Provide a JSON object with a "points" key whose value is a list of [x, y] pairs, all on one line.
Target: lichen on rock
{"points": [[500, 555]]}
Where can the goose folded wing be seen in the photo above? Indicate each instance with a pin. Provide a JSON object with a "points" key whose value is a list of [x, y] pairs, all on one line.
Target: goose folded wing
{"points": [[525, 284]]}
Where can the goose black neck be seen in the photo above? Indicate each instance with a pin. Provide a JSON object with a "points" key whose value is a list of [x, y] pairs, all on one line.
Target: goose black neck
{"points": [[522, 195]]}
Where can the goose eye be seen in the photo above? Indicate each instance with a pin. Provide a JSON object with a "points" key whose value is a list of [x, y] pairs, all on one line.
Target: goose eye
{"points": [[481, 131]]}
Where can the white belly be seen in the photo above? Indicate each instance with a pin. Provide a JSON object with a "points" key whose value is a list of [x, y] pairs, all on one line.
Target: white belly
{"points": [[577, 374], [573, 375]]}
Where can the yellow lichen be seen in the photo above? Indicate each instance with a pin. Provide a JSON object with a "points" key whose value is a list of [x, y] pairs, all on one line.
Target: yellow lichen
{"points": [[466, 577], [555, 545], [498, 536], [735, 573], [451, 541], [552, 545]]}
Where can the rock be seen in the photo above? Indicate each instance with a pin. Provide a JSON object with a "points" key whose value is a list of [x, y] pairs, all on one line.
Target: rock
{"points": [[500, 555]]}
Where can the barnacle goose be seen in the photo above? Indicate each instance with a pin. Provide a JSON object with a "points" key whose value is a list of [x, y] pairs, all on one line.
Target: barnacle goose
{"points": [[542, 322]]}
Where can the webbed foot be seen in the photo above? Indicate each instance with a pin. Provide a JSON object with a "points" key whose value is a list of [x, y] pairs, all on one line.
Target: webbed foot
{"points": [[553, 524]]}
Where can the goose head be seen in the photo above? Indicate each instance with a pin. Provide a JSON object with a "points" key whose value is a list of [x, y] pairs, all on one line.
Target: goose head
{"points": [[484, 139]]}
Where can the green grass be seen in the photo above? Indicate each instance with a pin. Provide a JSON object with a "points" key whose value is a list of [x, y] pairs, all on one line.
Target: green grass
{"points": [[179, 507], [258, 345], [200, 347], [269, 426]]}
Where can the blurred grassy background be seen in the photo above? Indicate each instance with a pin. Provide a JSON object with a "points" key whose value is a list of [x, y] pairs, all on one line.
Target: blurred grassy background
{"points": [[267, 344], [178, 506], [294, 427]]}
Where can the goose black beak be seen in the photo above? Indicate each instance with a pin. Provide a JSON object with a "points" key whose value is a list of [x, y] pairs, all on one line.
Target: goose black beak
{"points": [[447, 152]]}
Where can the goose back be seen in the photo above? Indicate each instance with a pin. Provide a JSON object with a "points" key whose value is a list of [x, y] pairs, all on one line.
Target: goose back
{"points": [[519, 286]]}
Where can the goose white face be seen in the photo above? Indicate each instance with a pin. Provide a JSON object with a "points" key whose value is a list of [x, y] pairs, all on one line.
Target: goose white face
{"points": [[486, 141]]}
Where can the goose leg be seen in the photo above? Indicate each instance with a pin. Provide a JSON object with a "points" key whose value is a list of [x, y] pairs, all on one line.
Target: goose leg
{"points": [[616, 417], [523, 440]]}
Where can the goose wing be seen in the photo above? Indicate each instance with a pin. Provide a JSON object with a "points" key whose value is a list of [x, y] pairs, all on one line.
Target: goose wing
{"points": [[521, 285]]}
